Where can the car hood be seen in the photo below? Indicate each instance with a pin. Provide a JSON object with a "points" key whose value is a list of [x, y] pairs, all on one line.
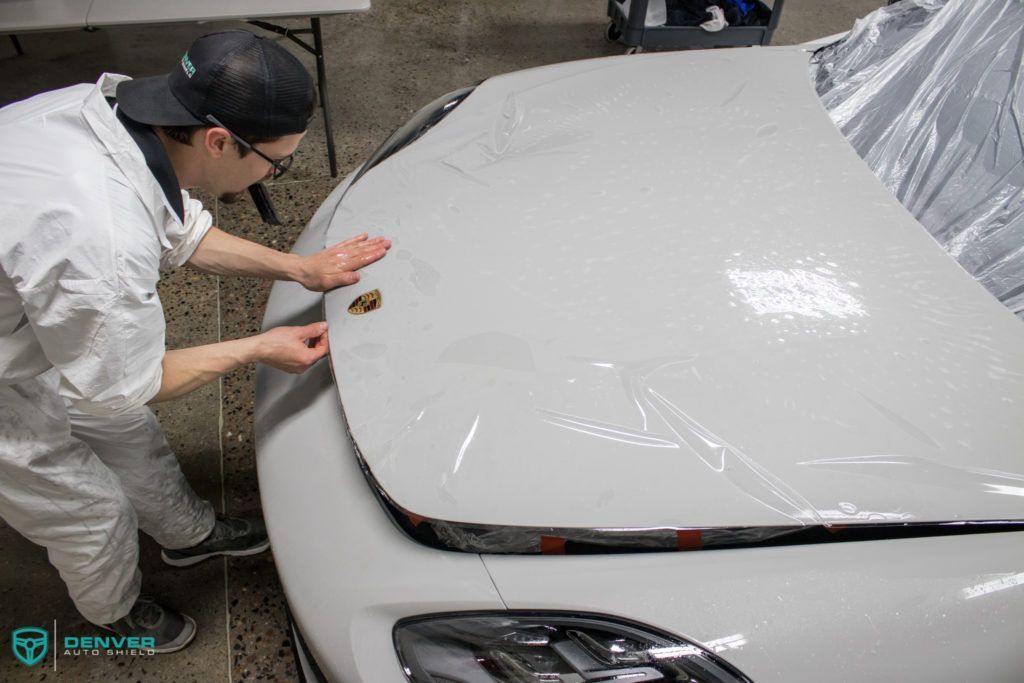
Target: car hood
{"points": [[662, 290]]}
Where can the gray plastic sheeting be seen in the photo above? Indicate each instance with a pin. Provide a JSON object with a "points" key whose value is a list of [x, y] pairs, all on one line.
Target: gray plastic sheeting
{"points": [[929, 94]]}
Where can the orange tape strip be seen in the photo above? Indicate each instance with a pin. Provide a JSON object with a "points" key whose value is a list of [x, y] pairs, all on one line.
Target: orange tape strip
{"points": [[552, 545], [689, 539]]}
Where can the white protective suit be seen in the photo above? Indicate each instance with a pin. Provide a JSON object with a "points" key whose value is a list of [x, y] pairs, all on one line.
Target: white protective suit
{"points": [[86, 230]]}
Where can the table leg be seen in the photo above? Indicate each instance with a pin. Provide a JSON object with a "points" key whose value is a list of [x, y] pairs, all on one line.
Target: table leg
{"points": [[321, 79], [317, 50]]}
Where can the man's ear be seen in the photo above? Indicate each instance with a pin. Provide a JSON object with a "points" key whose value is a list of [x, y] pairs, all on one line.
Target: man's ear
{"points": [[215, 141]]}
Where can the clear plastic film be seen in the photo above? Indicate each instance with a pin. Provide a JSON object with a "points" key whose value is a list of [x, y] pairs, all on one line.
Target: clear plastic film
{"points": [[677, 302], [929, 94]]}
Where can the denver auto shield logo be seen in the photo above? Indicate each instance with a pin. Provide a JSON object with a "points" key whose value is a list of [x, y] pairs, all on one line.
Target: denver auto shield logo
{"points": [[30, 644], [364, 303]]}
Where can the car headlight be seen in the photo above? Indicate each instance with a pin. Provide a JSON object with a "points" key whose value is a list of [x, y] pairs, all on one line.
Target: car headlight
{"points": [[552, 647], [425, 119]]}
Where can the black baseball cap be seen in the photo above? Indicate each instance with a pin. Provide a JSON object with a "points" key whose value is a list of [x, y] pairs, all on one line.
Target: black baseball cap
{"points": [[250, 84]]}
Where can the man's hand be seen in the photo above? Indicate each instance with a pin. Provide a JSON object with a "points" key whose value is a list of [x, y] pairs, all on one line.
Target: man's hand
{"points": [[335, 266], [292, 349]]}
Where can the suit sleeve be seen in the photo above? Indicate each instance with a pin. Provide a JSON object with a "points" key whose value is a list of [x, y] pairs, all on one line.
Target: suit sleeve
{"points": [[184, 237]]}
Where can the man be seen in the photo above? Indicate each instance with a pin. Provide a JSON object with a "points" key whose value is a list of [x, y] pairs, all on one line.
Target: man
{"points": [[93, 205]]}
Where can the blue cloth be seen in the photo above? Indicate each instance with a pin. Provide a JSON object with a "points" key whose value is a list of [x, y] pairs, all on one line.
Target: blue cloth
{"points": [[745, 7]]}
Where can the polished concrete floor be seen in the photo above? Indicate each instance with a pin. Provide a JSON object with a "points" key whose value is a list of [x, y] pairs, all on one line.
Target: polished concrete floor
{"points": [[382, 66]]}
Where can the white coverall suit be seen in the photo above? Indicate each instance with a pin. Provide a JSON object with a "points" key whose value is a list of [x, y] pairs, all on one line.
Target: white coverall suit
{"points": [[86, 230]]}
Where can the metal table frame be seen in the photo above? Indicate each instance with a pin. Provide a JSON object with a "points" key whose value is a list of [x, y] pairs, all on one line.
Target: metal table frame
{"points": [[317, 50], [61, 17]]}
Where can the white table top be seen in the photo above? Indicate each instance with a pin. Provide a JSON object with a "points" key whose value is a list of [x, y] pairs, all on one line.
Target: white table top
{"points": [[113, 12], [42, 15]]}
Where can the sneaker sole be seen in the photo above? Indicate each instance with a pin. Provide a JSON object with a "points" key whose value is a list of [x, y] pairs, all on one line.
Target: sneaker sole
{"points": [[196, 559], [174, 646]]}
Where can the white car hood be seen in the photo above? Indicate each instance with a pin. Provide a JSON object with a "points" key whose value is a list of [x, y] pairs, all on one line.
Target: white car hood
{"points": [[662, 290]]}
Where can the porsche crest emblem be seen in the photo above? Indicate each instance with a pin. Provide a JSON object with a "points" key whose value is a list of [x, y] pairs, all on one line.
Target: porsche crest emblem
{"points": [[366, 302]]}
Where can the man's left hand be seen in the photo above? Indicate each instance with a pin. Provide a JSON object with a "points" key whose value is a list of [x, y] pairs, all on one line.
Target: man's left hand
{"points": [[336, 265]]}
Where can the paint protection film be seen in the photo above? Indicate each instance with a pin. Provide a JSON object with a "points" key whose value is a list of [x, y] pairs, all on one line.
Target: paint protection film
{"points": [[649, 295]]}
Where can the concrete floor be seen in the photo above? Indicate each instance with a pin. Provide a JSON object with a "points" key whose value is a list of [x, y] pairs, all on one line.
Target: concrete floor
{"points": [[382, 65]]}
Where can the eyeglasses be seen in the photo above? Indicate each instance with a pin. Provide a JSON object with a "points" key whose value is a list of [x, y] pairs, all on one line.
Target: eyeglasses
{"points": [[281, 166]]}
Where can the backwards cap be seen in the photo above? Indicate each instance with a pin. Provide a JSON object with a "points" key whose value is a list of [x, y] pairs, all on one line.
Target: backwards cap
{"points": [[250, 84]]}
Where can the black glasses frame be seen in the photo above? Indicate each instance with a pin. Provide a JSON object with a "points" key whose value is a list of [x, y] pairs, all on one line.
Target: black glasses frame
{"points": [[280, 166]]}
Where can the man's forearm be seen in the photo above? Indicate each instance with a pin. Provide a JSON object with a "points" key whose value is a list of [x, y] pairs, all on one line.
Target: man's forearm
{"points": [[222, 254], [291, 349], [185, 370]]}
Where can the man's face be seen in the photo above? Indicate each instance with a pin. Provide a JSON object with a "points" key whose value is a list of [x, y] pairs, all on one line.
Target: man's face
{"points": [[236, 172]]}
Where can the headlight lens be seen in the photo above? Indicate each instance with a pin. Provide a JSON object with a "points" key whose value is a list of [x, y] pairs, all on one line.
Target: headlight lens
{"points": [[555, 648]]}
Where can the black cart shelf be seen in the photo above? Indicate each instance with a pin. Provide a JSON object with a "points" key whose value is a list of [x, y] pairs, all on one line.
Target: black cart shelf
{"points": [[629, 29]]}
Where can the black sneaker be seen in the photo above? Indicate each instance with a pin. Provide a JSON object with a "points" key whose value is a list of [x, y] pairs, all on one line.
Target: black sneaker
{"points": [[170, 630], [230, 536]]}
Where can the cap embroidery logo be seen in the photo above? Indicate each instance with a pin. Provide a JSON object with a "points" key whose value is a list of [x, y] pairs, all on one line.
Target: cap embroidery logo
{"points": [[364, 303], [186, 64]]}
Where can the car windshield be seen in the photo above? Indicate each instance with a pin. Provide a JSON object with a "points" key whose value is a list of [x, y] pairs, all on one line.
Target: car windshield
{"points": [[928, 93]]}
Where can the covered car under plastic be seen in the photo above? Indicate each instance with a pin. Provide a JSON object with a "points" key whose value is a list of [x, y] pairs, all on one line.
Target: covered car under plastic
{"points": [[929, 93]]}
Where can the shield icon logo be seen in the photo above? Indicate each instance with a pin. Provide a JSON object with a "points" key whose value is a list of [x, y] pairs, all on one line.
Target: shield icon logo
{"points": [[29, 644]]}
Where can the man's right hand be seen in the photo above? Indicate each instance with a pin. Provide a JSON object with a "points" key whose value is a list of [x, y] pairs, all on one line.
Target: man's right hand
{"points": [[292, 349]]}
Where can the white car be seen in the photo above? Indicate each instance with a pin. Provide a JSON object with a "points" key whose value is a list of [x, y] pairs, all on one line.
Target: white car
{"points": [[657, 383]]}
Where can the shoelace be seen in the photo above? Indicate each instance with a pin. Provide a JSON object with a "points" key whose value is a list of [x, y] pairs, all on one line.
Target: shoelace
{"points": [[227, 528]]}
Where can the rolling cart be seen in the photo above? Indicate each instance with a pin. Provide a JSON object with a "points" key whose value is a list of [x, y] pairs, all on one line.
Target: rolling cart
{"points": [[630, 24]]}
